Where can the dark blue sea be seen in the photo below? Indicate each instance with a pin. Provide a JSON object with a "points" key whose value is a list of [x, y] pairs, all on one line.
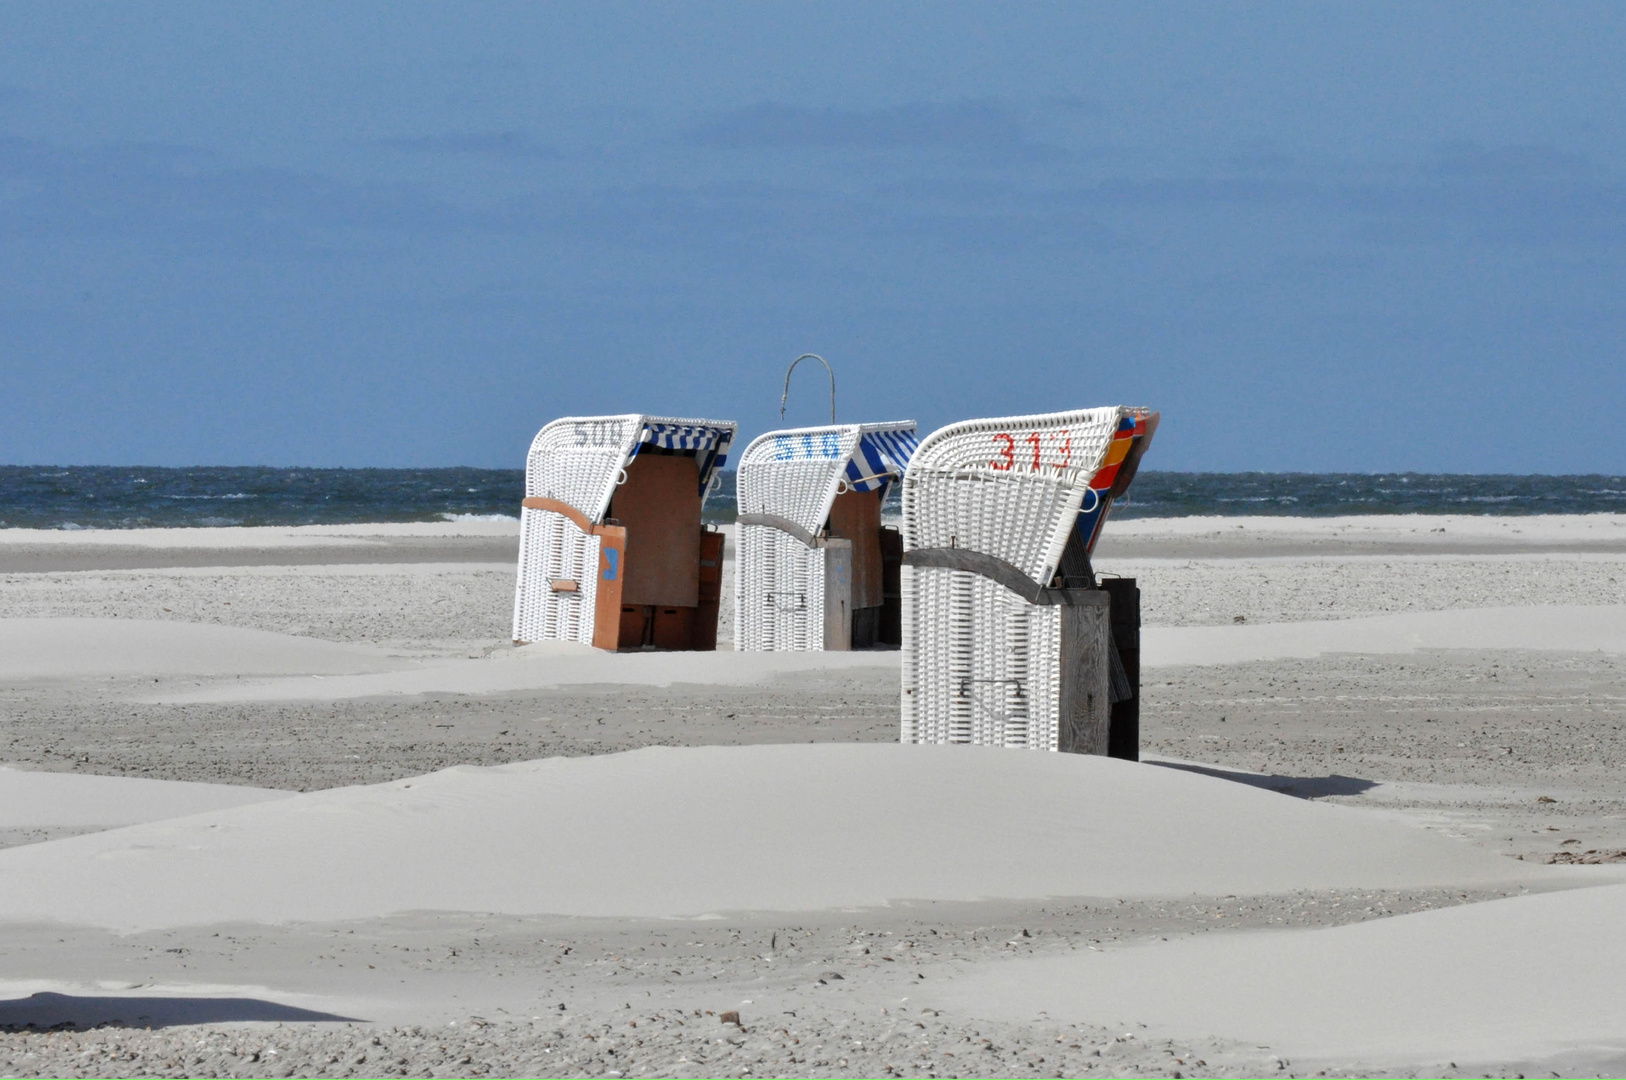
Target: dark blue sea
{"points": [[109, 497]]}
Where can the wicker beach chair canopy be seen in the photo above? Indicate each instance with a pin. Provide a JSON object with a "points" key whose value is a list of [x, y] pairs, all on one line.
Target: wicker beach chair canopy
{"points": [[1016, 487], [797, 473], [579, 459]]}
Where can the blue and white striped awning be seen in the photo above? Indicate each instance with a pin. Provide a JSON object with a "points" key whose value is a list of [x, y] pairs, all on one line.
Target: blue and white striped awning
{"points": [[709, 444], [683, 436], [880, 458]]}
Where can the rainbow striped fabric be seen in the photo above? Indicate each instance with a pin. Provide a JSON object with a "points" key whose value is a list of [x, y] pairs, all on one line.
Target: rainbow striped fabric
{"points": [[1093, 513]]}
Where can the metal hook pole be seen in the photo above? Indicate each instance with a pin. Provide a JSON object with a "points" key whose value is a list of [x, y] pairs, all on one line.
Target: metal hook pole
{"points": [[786, 395]]}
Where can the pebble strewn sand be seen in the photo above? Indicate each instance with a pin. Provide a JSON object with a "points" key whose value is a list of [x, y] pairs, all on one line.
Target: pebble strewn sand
{"points": [[744, 967], [691, 1044], [449, 608], [301, 747], [1213, 592], [459, 607]]}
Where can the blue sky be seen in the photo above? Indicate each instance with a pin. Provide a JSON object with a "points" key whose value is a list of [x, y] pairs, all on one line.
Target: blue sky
{"points": [[1321, 237]]}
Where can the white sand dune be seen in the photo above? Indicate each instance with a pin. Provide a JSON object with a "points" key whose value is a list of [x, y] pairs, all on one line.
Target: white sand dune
{"points": [[49, 800], [675, 832], [1527, 977], [1561, 628], [81, 648]]}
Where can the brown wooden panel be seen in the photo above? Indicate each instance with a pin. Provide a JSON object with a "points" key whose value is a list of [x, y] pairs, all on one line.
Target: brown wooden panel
{"points": [[1085, 712], [711, 591], [856, 516], [634, 626], [659, 506], [674, 627], [612, 544], [890, 632], [1123, 739], [838, 595]]}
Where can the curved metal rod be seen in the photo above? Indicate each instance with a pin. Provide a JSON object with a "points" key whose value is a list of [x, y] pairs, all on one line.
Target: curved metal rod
{"points": [[997, 569], [786, 395]]}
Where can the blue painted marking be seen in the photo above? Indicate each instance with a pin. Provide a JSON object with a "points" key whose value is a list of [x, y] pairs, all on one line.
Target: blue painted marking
{"points": [[611, 558], [806, 447]]}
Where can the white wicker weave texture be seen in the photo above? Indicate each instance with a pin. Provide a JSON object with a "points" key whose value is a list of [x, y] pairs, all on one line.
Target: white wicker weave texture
{"points": [[575, 460], [795, 473], [980, 664], [552, 547], [782, 607]]}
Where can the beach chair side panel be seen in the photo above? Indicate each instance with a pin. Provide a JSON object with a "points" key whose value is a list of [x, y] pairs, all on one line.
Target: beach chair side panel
{"points": [[780, 606], [987, 676], [561, 563], [575, 461], [779, 580]]}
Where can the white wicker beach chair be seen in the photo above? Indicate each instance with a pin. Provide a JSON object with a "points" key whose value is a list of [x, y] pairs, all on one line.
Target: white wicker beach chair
{"points": [[810, 571], [612, 549], [999, 517]]}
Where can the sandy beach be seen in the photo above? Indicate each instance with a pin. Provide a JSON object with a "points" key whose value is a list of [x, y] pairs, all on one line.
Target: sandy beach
{"points": [[287, 801]]}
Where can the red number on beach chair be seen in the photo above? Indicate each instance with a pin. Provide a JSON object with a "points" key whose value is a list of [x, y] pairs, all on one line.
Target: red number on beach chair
{"points": [[1009, 453], [1006, 449]]}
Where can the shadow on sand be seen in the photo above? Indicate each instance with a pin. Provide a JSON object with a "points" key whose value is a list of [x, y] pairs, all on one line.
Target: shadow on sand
{"points": [[1303, 787], [46, 1010]]}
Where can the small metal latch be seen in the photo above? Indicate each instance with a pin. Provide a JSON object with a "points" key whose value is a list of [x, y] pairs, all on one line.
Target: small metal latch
{"points": [[966, 681]]}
